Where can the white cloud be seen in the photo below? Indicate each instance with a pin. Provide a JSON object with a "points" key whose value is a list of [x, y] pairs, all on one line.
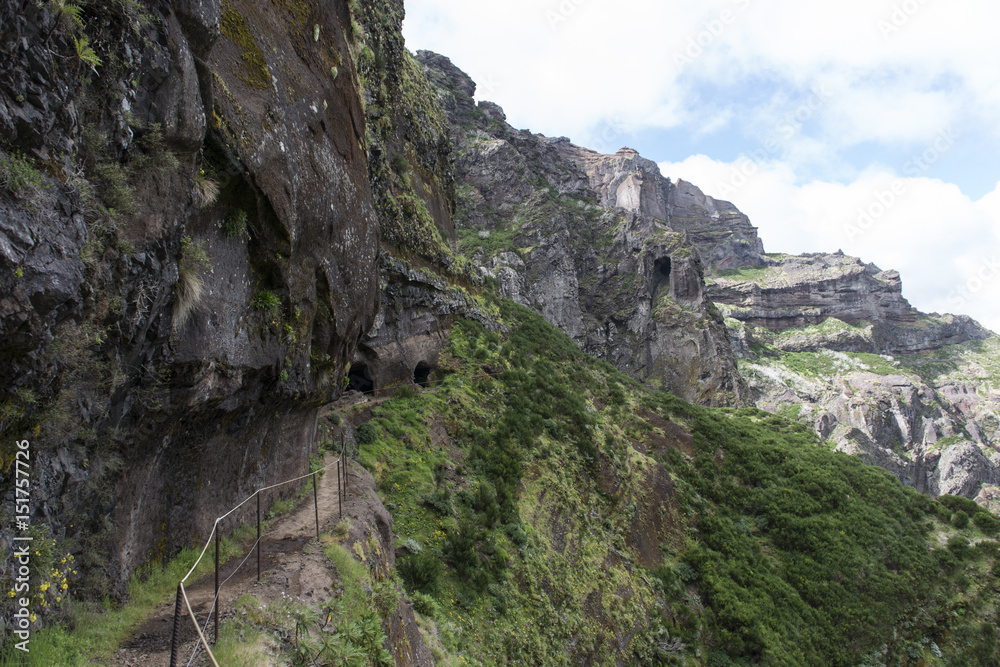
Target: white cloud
{"points": [[893, 112], [943, 244], [561, 76], [568, 65]]}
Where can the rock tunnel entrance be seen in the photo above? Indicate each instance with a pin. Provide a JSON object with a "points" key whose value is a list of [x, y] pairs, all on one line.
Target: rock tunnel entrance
{"points": [[422, 374], [359, 380], [661, 275]]}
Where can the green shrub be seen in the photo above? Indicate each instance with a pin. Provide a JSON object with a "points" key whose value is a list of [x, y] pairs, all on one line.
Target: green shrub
{"points": [[19, 175], [947, 560], [420, 572], [268, 303], [157, 154], [400, 164], [404, 391], [960, 519], [484, 502], [986, 522], [943, 513], [424, 604], [115, 190], [366, 434], [959, 504], [959, 545], [440, 501], [685, 572]]}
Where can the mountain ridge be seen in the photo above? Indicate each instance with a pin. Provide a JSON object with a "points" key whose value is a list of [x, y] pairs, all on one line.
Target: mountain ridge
{"points": [[527, 206]]}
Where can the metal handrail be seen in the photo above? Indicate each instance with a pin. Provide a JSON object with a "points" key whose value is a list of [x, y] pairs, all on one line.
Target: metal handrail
{"points": [[340, 463]]}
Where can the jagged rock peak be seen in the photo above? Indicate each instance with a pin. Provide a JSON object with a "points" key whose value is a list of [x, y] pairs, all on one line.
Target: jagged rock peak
{"points": [[457, 89], [585, 239]]}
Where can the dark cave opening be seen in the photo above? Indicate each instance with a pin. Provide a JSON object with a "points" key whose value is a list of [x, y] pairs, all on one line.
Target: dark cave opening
{"points": [[359, 380], [422, 374], [661, 275]]}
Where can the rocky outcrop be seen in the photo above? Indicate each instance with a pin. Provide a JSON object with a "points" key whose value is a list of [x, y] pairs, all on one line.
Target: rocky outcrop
{"points": [[724, 236], [586, 239], [807, 329], [940, 435], [792, 291], [788, 291]]}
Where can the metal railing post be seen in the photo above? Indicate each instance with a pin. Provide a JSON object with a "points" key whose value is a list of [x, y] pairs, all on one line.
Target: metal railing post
{"points": [[258, 536], [316, 504], [177, 627], [218, 602], [343, 457], [340, 498]]}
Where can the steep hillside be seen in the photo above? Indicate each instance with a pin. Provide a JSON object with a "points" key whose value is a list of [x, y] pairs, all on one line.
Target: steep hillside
{"points": [[931, 419], [217, 219], [551, 510]]}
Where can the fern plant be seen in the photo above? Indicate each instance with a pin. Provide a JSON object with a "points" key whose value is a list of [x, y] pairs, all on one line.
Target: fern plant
{"points": [[86, 53]]}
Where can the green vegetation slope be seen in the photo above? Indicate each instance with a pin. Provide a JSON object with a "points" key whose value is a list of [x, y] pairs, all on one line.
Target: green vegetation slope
{"points": [[549, 510]]}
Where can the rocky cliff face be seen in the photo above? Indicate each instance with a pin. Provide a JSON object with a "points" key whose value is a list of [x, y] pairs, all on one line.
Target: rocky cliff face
{"points": [[786, 291], [830, 340], [629, 264], [188, 247], [212, 213], [588, 240], [931, 420]]}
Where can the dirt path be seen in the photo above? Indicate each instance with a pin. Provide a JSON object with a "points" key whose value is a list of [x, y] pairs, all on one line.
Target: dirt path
{"points": [[292, 564]]}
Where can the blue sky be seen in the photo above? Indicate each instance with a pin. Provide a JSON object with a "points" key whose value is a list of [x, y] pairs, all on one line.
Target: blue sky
{"points": [[863, 125]]}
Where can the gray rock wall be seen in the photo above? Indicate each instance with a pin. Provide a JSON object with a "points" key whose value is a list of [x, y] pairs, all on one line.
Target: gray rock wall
{"points": [[148, 425]]}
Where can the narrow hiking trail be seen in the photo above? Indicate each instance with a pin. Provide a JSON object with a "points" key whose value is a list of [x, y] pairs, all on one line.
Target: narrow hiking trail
{"points": [[292, 565]]}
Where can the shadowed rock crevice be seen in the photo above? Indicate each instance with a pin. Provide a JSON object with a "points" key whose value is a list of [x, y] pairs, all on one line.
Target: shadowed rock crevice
{"points": [[661, 276]]}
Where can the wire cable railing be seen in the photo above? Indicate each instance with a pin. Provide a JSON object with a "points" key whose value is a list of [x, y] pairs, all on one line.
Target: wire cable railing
{"points": [[183, 603]]}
